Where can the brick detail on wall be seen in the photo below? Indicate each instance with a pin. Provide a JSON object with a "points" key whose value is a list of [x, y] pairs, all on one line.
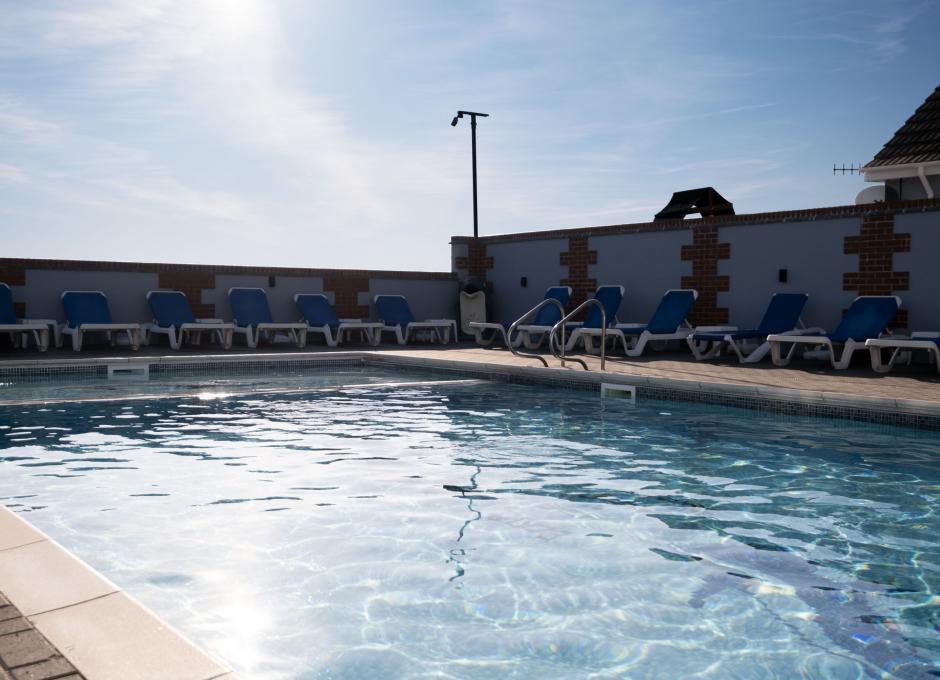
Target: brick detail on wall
{"points": [[346, 295], [875, 246], [192, 285], [12, 275], [704, 253], [476, 263], [577, 259]]}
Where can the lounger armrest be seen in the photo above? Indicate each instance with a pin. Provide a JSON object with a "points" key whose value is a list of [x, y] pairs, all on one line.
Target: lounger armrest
{"points": [[800, 339], [921, 335], [629, 326], [109, 326], [215, 321], [715, 329], [47, 322]]}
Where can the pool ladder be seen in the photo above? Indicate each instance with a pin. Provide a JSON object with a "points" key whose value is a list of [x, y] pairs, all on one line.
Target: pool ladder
{"points": [[559, 352]]}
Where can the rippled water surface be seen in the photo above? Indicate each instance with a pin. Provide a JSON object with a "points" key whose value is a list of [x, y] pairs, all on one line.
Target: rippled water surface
{"points": [[494, 531]]}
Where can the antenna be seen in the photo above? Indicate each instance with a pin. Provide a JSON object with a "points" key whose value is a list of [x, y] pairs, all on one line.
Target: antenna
{"points": [[850, 170]]}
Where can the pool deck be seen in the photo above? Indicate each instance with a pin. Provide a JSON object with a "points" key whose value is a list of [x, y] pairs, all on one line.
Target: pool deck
{"points": [[88, 629]]}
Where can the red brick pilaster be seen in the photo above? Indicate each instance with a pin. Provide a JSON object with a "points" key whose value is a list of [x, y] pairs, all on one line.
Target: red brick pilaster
{"points": [[346, 291], [476, 263], [577, 258], [13, 275], [192, 285], [875, 246], [704, 254]]}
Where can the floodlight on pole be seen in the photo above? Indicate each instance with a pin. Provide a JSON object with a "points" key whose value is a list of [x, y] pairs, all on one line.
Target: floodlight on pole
{"points": [[473, 142]]}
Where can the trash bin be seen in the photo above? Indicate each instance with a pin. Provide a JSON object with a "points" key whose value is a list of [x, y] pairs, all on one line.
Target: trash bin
{"points": [[472, 304]]}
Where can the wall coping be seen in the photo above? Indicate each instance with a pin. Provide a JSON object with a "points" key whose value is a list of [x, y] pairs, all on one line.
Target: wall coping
{"points": [[196, 269], [806, 215]]}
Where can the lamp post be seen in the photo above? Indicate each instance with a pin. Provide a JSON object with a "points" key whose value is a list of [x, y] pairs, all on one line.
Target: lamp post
{"points": [[473, 141]]}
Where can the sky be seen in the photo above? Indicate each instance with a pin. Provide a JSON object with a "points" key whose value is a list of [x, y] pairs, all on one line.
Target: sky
{"points": [[317, 133]]}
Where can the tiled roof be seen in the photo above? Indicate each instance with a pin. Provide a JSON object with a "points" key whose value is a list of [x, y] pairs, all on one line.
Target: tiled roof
{"points": [[918, 140]]}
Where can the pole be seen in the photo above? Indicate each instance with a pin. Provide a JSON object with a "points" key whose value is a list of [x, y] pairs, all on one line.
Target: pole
{"points": [[473, 142]]}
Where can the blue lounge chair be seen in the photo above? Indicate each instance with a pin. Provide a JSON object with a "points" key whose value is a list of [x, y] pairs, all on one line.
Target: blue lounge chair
{"points": [[87, 311], [173, 317], [320, 316], [253, 318], [781, 318], [668, 322], [866, 319], [546, 317], [20, 329], [397, 318], [902, 349], [610, 298]]}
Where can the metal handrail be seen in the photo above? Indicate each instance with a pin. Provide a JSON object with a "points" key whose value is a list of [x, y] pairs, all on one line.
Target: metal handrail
{"points": [[512, 328], [561, 325]]}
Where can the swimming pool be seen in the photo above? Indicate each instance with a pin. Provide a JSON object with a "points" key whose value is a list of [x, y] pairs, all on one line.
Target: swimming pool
{"points": [[485, 530]]}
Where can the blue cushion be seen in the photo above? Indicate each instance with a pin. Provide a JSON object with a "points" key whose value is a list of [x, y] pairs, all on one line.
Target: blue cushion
{"points": [[7, 314], [866, 318], [783, 313], [549, 315], [316, 310], [671, 312], [170, 308], [85, 307], [610, 297], [249, 306], [394, 310]]}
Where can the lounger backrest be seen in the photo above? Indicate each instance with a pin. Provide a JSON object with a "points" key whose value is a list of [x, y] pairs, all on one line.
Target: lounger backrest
{"points": [[867, 317], [170, 308], [316, 310], [394, 310], [7, 313], [549, 315], [85, 306], [610, 297], [783, 313], [672, 310], [249, 306]]}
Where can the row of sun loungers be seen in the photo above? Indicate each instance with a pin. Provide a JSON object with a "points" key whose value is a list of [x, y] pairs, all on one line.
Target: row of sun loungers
{"points": [[88, 312], [780, 333]]}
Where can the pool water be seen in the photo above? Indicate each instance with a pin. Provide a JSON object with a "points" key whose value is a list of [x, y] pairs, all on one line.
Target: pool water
{"points": [[484, 530]]}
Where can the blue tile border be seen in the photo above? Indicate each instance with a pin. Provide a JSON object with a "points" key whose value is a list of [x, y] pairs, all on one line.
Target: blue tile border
{"points": [[587, 381]]}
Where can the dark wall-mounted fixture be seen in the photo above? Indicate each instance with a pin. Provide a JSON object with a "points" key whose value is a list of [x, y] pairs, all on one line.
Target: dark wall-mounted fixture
{"points": [[272, 280], [524, 281], [783, 275]]}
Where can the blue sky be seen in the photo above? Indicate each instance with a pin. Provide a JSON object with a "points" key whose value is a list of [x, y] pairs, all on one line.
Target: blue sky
{"points": [[317, 134]]}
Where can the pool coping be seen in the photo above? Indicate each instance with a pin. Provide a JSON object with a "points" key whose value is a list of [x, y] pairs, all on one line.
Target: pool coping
{"points": [[920, 414], [68, 613]]}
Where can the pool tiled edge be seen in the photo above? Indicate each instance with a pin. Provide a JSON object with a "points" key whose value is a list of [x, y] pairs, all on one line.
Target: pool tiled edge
{"points": [[921, 414], [68, 621], [888, 411]]}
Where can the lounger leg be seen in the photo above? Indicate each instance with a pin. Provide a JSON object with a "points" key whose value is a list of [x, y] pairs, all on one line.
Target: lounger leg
{"points": [[848, 349], [757, 355], [776, 354], [171, 336], [401, 337], [877, 365], [42, 339], [640, 345], [77, 340], [301, 338]]}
